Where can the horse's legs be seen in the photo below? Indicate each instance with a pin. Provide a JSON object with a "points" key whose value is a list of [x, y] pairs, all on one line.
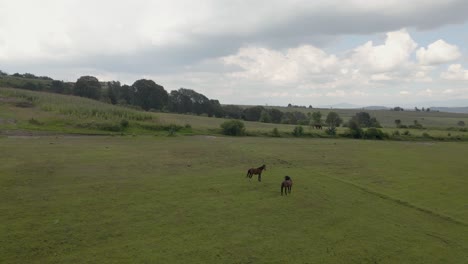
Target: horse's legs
{"points": [[281, 189], [260, 177]]}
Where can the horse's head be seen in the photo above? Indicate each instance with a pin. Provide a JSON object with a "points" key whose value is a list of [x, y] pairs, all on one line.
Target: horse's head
{"points": [[287, 178], [264, 166]]}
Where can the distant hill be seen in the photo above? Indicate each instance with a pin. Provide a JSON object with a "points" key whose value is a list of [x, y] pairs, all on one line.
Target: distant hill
{"points": [[376, 107], [462, 110]]}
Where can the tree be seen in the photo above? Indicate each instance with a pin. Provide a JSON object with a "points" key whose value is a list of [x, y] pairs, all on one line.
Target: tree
{"points": [[265, 116], [150, 95], [397, 122], [333, 120], [276, 115], [58, 87], [215, 109], [180, 102], [113, 91], [355, 130], [126, 95], [363, 119], [461, 123], [88, 86], [232, 111], [316, 118], [252, 113]]}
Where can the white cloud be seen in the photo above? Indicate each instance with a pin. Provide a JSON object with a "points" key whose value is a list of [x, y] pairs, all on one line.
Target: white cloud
{"points": [[455, 72], [309, 67], [393, 53], [291, 66], [404, 93], [438, 52]]}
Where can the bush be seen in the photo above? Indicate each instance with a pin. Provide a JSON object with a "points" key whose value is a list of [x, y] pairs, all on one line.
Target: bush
{"points": [[396, 133], [406, 133], [298, 131], [275, 132], [233, 128], [331, 131], [355, 130], [124, 123], [374, 133], [426, 135]]}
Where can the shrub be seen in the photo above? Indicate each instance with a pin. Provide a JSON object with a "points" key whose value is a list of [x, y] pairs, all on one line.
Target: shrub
{"points": [[374, 133], [396, 133], [354, 129], [124, 123], [406, 133], [331, 131], [233, 128], [298, 131], [275, 132], [426, 135]]}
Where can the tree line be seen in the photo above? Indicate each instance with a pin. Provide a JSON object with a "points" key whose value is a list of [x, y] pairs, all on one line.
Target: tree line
{"points": [[150, 96]]}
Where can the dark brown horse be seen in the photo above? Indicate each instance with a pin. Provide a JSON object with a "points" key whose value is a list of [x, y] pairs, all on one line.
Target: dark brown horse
{"points": [[317, 126], [286, 185], [258, 171]]}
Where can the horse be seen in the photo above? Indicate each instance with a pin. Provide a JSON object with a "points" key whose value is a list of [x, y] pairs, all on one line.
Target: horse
{"points": [[258, 171], [287, 185], [318, 126]]}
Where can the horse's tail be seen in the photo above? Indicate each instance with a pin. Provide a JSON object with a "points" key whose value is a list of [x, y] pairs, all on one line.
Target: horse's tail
{"points": [[248, 173]]}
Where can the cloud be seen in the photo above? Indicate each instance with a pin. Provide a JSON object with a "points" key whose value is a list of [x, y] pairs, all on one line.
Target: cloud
{"points": [[156, 35], [310, 67], [455, 72], [393, 53], [291, 66], [438, 52]]}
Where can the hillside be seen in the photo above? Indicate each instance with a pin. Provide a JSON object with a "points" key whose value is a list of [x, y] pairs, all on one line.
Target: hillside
{"points": [[56, 113]]}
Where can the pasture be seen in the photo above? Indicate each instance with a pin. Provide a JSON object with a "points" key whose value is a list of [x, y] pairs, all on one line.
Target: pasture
{"points": [[185, 199], [22, 110]]}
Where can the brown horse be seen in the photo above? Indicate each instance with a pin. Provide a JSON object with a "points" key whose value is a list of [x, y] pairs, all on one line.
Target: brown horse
{"points": [[287, 185], [317, 126], [258, 171]]}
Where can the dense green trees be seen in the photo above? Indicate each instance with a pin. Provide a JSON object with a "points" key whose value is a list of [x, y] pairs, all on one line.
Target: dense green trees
{"points": [[363, 119], [149, 95], [88, 86]]}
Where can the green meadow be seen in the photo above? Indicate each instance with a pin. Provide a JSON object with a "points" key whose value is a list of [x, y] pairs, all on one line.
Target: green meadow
{"points": [[83, 181], [185, 199]]}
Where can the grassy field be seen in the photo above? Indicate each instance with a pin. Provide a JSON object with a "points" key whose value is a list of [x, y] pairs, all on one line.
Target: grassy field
{"points": [[185, 199], [55, 113]]}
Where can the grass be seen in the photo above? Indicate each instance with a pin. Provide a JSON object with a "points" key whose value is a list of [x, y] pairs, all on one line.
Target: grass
{"points": [[85, 199], [40, 111]]}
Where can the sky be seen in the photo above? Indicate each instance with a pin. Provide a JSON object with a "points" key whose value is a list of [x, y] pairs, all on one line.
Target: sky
{"points": [[257, 52]]}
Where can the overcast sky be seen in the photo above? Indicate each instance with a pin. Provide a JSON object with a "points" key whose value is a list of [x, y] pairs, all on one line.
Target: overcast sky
{"points": [[250, 52]]}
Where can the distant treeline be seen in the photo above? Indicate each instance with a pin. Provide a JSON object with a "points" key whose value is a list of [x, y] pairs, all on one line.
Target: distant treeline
{"points": [[150, 96]]}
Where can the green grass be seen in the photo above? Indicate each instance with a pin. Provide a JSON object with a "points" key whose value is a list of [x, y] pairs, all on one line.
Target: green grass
{"points": [[55, 113], [82, 199]]}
